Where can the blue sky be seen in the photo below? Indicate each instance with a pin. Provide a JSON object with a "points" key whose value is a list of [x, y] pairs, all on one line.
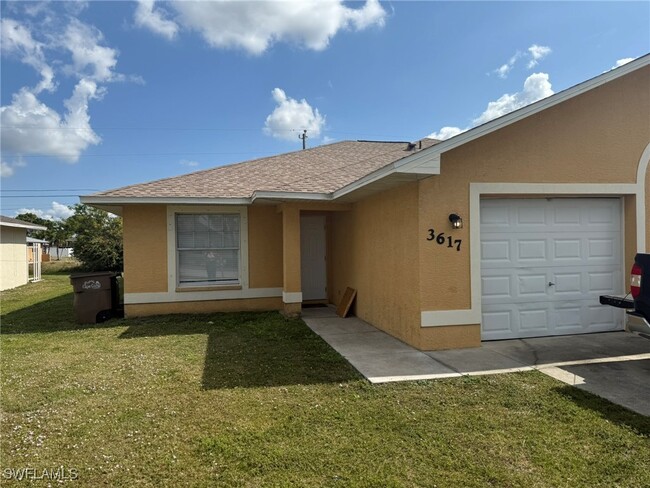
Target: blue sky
{"points": [[97, 95]]}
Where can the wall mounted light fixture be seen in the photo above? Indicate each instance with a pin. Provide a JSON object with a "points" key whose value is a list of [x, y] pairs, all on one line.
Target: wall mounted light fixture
{"points": [[456, 221]]}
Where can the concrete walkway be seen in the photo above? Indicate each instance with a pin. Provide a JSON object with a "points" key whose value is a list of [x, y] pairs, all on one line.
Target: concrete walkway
{"points": [[613, 365]]}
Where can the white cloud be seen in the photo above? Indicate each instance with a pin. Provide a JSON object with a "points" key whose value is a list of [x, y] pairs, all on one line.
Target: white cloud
{"points": [[191, 164], [255, 26], [446, 133], [31, 127], [6, 170], [537, 53], [18, 40], [89, 59], [292, 116], [503, 70], [536, 87], [154, 19], [57, 211], [534, 53], [621, 62]]}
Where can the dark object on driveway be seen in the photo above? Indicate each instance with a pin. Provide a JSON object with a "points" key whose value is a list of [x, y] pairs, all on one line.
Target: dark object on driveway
{"points": [[96, 297], [638, 307]]}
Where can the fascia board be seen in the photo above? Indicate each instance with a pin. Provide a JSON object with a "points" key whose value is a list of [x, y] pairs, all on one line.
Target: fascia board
{"points": [[102, 200], [23, 226], [290, 195]]}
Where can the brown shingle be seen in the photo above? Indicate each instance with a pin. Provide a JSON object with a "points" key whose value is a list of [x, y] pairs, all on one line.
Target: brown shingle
{"points": [[323, 169]]}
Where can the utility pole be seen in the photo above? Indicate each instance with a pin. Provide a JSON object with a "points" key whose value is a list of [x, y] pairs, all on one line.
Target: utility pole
{"points": [[304, 137]]}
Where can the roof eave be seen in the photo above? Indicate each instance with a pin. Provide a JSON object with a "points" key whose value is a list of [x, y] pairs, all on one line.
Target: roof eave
{"points": [[23, 226], [119, 200]]}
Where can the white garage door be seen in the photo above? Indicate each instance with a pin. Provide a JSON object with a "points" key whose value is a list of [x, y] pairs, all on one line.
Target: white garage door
{"points": [[544, 263]]}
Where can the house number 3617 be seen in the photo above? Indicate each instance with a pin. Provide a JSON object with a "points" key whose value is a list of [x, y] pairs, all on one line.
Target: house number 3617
{"points": [[441, 239]]}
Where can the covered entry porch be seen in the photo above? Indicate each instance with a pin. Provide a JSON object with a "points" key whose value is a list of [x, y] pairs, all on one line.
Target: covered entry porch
{"points": [[306, 241]]}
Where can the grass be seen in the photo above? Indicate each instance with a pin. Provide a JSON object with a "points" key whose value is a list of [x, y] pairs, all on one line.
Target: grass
{"points": [[252, 399]]}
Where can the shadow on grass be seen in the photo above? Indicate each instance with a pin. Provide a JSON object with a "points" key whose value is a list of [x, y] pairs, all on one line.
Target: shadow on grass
{"points": [[611, 412], [252, 349], [52, 315]]}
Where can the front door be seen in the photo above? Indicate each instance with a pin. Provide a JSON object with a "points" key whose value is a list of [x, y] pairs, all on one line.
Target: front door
{"points": [[312, 256]]}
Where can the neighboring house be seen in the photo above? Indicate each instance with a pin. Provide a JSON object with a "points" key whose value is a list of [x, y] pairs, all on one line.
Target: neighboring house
{"points": [[60, 252], [14, 261], [554, 200], [32, 244]]}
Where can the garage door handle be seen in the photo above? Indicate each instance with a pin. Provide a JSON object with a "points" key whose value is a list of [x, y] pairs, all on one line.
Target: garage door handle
{"points": [[550, 283]]}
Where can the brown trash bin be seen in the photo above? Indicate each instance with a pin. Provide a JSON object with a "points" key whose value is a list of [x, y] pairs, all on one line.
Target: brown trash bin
{"points": [[94, 296]]}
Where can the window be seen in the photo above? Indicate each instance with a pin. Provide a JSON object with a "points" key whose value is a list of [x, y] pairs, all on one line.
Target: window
{"points": [[208, 249]]}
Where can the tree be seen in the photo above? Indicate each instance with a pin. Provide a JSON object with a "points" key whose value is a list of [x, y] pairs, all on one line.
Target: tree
{"points": [[97, 238], [58, 234], [34, 219]]}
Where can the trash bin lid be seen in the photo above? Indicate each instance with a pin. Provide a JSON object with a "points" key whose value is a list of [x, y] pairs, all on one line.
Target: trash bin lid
{"points": [[90, 274]]}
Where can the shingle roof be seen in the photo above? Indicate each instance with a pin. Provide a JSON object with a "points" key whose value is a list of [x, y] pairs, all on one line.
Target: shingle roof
{"points": [[11, 222], [323, 169]]}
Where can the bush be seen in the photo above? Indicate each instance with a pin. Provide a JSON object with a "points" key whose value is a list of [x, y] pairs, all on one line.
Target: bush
{"points": [[98, 239]]}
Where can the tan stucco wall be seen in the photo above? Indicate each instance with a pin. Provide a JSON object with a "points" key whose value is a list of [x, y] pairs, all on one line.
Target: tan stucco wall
{"points": [[208, 306], [647, 206], [145, 248], [597, 137], [291, 250], [264, 247], [13, 257], [374, 249]]}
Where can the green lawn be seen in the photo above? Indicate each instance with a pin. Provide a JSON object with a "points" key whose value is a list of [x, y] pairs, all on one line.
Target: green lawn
{"points": [[252, 399]]}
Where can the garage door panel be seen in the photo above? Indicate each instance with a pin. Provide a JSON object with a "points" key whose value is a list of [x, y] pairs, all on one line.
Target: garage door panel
{"points": [[567, 250], [545, 262], [605, 320], [532, 286], [498, 322], [551, 249], [534, 320], [569, 318], [568, 283], [495, 252], [532, 215], [531, 250], [497, 286], [605, 281]]}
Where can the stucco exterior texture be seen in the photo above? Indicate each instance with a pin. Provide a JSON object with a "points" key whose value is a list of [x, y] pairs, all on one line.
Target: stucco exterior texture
{"points": [[378, 245], [13, 257]]}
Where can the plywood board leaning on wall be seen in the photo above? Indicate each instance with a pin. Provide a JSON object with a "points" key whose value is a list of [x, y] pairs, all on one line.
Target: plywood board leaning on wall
{"points": [[346, 302]]}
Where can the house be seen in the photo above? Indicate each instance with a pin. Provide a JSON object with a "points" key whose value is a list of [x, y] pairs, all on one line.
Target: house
{"points": [[42, 244], [14, 262], [511, 229]]}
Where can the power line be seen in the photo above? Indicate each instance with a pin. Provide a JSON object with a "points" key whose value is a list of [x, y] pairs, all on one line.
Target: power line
{"points": [[139, 155], [189, 129], [37, 196], [57, 189]]}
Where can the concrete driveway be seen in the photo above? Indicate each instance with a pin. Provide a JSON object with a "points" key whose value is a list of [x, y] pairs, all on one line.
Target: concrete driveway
{"points": [[613, 365]]}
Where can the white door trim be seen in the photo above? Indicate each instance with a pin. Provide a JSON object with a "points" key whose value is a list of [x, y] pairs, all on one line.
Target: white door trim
{"points": [[472, 316]]}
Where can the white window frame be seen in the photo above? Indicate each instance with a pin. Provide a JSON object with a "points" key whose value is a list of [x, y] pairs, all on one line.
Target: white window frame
{"points": [[173, 283]]}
